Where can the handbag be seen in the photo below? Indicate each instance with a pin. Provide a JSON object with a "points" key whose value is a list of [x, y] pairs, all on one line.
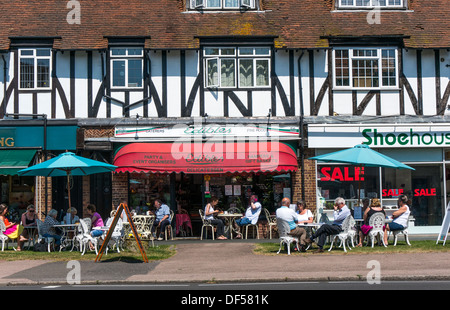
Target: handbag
{"points": [[366, 228]]}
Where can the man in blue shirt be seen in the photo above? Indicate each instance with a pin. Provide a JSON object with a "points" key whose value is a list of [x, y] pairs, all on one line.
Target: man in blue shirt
{"points": [[341, 211], [162, 218]]}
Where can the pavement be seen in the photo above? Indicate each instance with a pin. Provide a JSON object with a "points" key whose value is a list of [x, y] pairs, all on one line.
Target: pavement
{"points": [[228, 261]]}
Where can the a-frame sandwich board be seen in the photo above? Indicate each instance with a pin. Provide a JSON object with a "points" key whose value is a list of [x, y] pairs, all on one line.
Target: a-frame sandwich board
{"points": [[122, 207]]}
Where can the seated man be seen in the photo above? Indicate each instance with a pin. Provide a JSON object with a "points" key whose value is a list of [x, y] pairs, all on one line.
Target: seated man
{"points": [[289, 215], [162, 214], [341, 211], [251, 214]]}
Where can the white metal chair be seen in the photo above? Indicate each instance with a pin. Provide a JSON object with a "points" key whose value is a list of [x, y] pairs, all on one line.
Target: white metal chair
{"points": [[86, 229], [3, 237], [377, 223], [205, 224], [404, 232], [285, 238], [271, 221], [49, 240], [346, 233]]}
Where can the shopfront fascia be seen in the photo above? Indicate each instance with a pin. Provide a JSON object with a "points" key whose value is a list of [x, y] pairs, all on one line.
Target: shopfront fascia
{"points": [[425, 147], [184, 165], [20, 147]]}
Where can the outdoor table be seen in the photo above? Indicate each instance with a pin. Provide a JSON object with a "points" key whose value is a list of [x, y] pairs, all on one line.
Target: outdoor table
{"points": [[66, 228], [229, 218], [32, 232], [183, 219]]}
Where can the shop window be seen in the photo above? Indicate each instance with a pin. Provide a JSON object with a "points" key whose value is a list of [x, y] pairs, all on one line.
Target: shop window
{"points": [[345, 181], [424, 188], [17, 192], [145, 188]]}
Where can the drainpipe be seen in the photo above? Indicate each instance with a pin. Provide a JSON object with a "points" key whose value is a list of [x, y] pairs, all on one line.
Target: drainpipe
{"points": [[4, 85], [301, 131]]}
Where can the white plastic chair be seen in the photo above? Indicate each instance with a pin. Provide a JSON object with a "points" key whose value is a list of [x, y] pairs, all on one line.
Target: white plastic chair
{"points": [[377, 223], [205, 224], [3, 237], [285, 238], [271, 221], [346, 233], [404, 232], [49, 240]]}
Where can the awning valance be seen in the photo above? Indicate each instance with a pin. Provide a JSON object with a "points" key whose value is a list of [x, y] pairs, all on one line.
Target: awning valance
{"points": [[12, 161], [206, 158]]}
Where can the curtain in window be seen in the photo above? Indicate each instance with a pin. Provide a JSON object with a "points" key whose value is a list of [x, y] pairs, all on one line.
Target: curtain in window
{"points": [[262, 72], [213, 3], [212, 72], [246, 72], [231, 3], [227, 70]]}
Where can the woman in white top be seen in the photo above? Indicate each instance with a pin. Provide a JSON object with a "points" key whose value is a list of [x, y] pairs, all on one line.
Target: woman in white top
{"points": [[209, 215], [304, 214], [401, 217]]}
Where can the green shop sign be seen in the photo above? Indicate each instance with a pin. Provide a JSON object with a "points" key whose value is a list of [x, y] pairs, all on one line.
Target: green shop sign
{"points": [[409, 138]]}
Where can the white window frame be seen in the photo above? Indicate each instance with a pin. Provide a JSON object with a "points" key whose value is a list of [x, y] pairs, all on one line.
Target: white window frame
{"points": [[203, 4], [36, 58], [126, 58], [371, 4], [352, 57], [237, 56]]}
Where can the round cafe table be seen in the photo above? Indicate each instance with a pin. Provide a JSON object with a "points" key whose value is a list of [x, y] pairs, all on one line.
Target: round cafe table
{"points": [[229, 218]]}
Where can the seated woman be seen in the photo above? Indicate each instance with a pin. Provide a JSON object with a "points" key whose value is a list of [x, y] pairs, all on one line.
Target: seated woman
{"points": [[13, 230], [71, 216], [304, 214], [401, 217], [375, 207], [28, 219], [48, 229], [209, 215]]}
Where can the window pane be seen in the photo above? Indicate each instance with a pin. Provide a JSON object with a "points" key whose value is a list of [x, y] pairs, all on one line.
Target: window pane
{"points": [[262, 51], [26, 52], [26, 73], [212, 72], [213, 3], [119, 73], [227, 73], [211, 51], [262, 72], [231, 3], [227, 51], [342, 68], [43, 73], [245, 51], [362, 2], [346, 2], [365, 73], [118, 52], [134, 51], [42, 52], [388, 68], [134, 73], [246, 72]]}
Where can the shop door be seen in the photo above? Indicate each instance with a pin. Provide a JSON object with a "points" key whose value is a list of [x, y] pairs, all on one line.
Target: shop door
{"points": [[60, 197], [101, 195]]}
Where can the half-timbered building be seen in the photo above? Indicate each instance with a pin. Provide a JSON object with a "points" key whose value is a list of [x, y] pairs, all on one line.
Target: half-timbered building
{"points": [[177, 92]]}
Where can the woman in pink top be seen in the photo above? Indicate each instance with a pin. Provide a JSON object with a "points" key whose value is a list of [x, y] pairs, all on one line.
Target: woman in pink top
{"points": [[96, 220]]}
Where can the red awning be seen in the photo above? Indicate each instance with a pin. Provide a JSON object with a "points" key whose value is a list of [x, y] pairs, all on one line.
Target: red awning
{"points": [[206, 158]]}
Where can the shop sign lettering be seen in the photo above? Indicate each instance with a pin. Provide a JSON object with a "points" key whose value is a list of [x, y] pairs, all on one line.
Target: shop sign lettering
{"points": [[411, 138], [6, 142], [418, 192], [342, 174]]}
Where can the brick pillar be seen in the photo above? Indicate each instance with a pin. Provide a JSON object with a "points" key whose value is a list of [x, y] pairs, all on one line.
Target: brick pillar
{"points": [[86, 193], [310, 182], [119, 188]]}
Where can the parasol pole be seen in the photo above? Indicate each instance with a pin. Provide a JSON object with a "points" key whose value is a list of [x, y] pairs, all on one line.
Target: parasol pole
{"points": [[68, 187]]}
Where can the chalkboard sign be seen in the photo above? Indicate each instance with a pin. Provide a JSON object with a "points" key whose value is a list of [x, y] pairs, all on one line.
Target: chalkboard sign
{"points": [[445, 226]]}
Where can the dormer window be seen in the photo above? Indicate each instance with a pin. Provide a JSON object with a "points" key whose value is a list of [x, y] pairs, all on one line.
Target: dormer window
{"points": [[369, 4], [126, 67], [34, 68], [222, 4]]}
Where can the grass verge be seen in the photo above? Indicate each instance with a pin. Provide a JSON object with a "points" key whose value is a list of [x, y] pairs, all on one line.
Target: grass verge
{"points": [[420, 246]]}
